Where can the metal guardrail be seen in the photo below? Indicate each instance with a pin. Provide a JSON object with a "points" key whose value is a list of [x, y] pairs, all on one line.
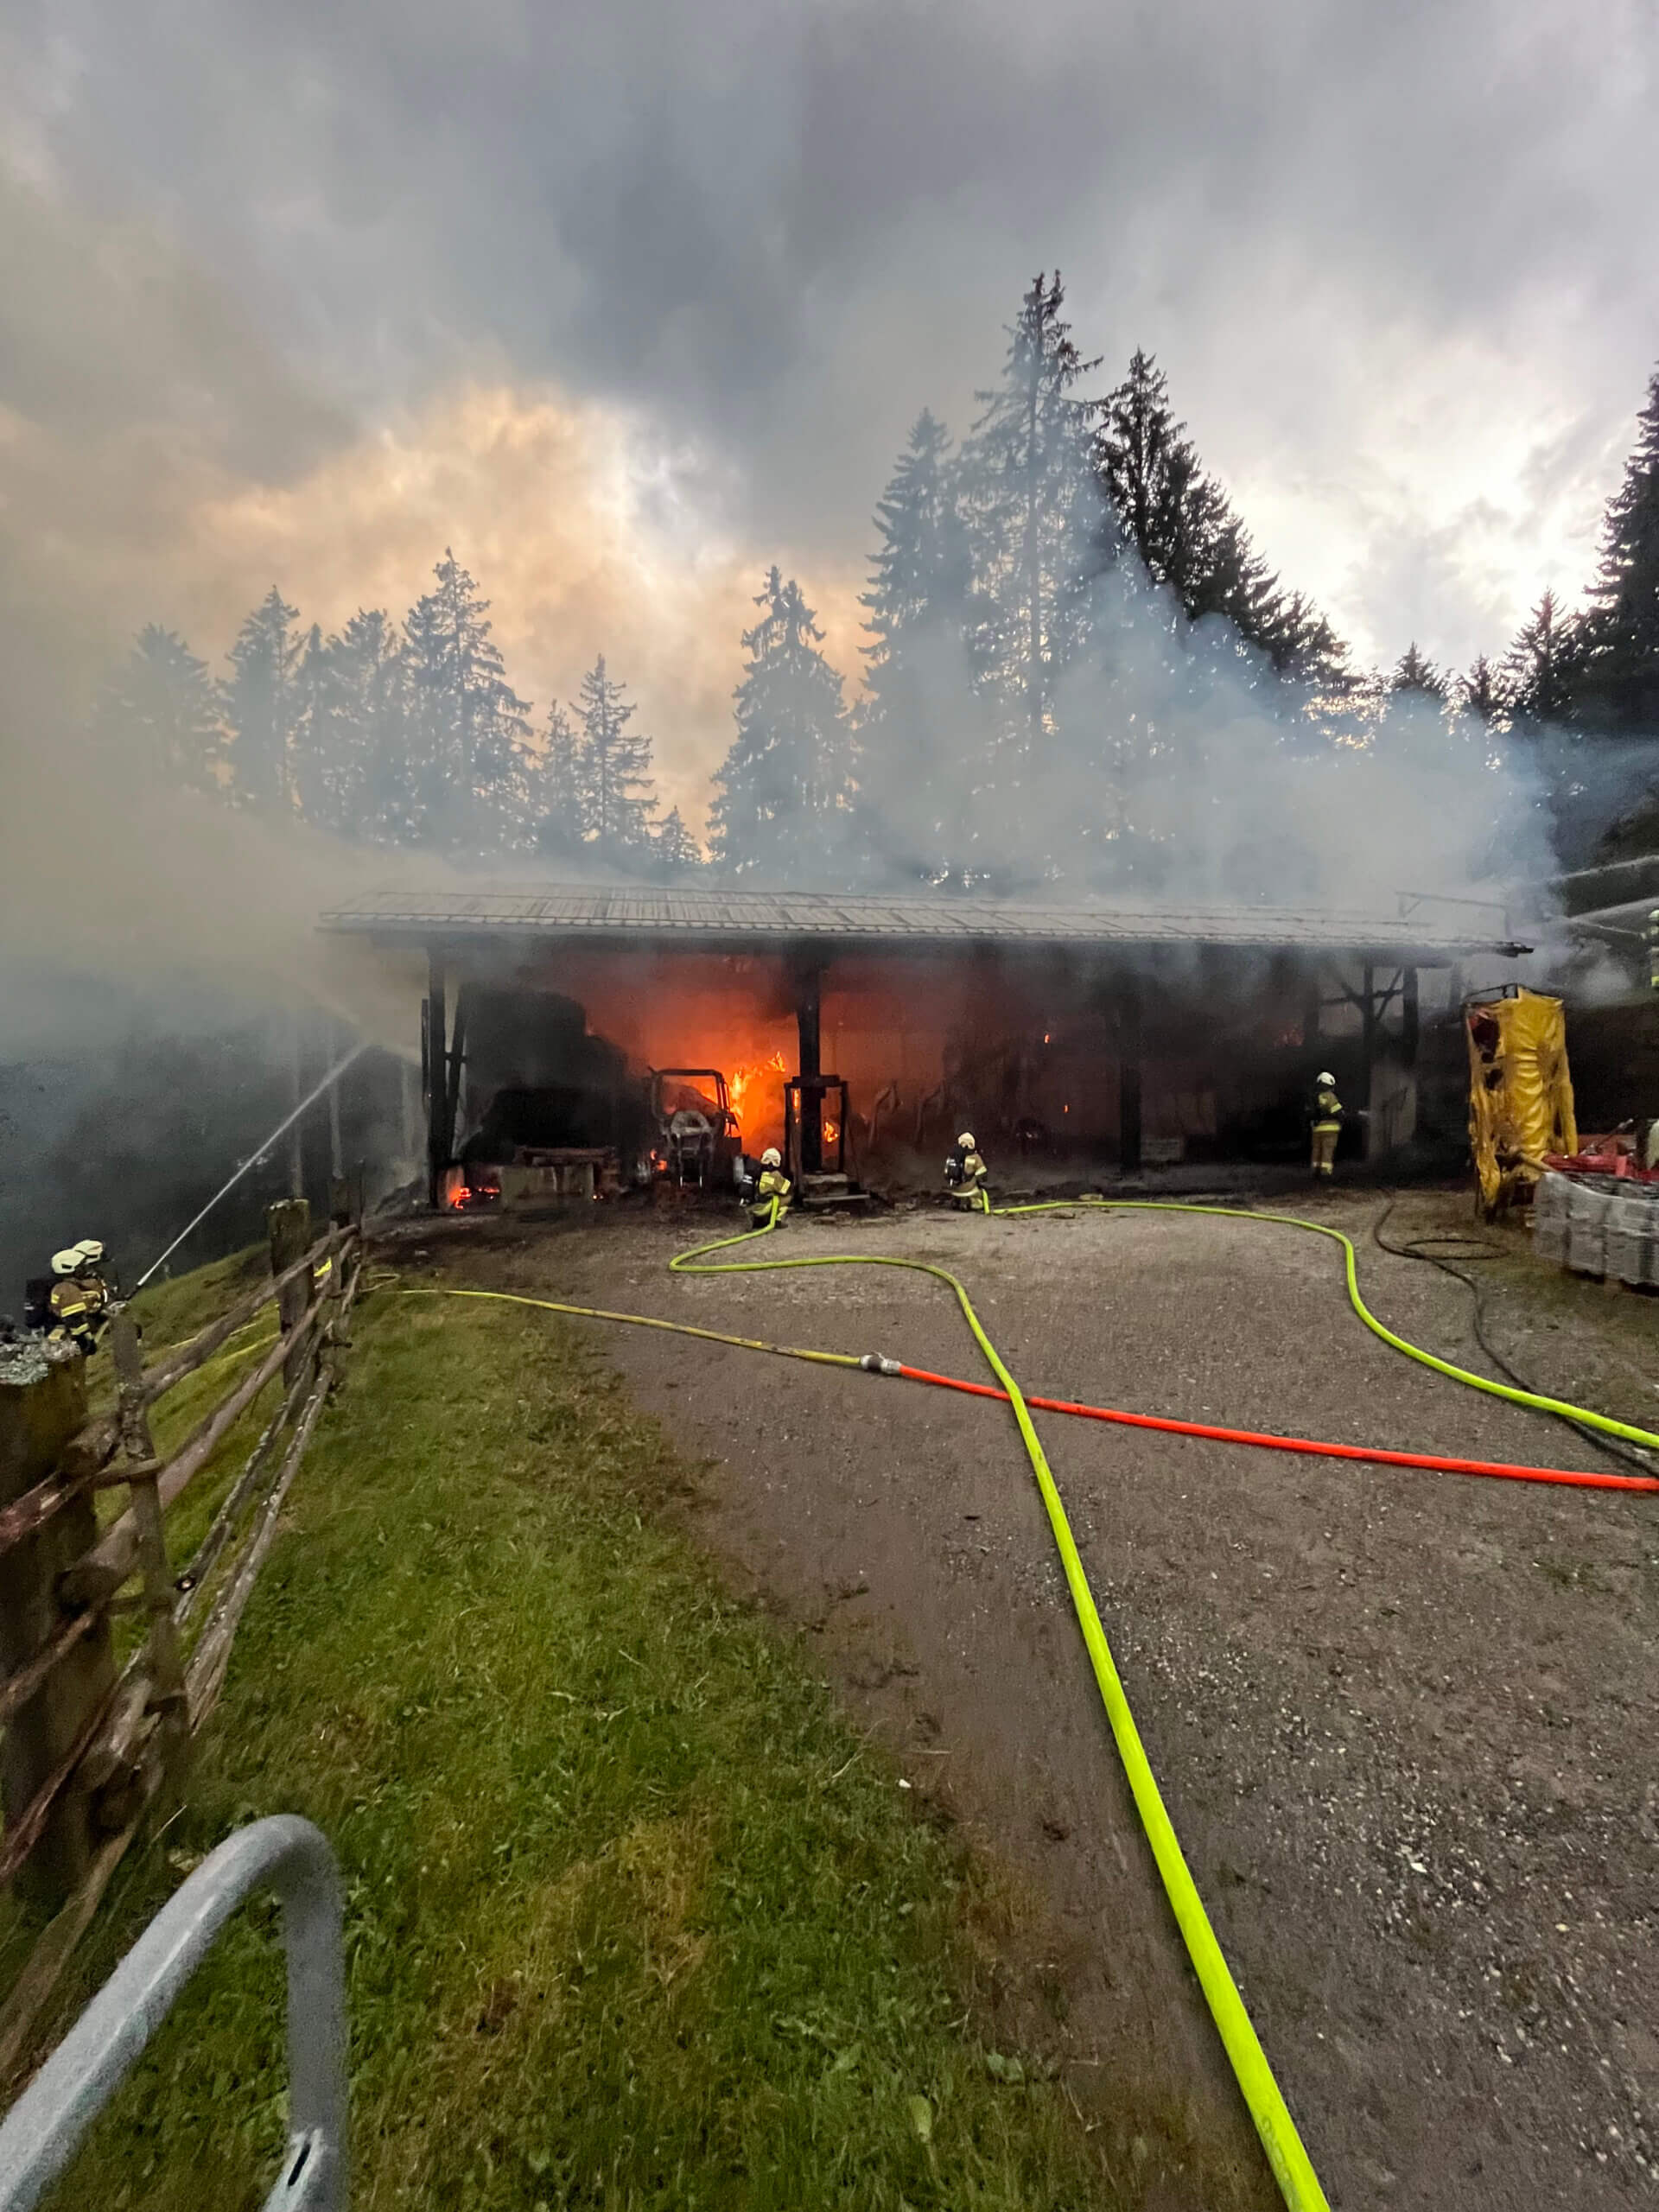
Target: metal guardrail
{"points": [[43, 2130]]}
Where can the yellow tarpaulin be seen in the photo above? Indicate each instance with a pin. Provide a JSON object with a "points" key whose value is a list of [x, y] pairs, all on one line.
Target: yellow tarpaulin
{"points": [[1520, 1092]]}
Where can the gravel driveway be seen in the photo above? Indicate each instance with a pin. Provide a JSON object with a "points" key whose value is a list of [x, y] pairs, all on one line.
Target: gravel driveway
{"points": [[1405, 1723]]}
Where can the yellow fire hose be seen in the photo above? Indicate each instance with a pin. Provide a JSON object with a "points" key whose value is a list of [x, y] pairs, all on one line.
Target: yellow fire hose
{"points": [[1538, 1403], [1292, 2168]]}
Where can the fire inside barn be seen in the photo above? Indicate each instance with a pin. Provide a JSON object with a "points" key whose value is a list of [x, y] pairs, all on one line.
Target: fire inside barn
{"points": [[631, 1033]]}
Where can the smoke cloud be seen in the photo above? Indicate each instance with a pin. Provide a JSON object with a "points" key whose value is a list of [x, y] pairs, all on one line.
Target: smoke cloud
{"points": [[1395, 264]]}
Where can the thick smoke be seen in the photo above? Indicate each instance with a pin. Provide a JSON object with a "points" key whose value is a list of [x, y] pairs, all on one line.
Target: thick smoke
{"points": [[1179, 771], [159, 957]]}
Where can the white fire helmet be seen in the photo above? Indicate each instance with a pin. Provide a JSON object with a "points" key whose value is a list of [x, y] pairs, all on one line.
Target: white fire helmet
{"points": [[1325, 1076], [966, 1141], [771, 1157], [67, 1262], [91, 1251]]}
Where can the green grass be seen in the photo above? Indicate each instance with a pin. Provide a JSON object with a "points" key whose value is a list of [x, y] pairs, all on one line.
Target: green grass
{"points": [[632, 1919]]}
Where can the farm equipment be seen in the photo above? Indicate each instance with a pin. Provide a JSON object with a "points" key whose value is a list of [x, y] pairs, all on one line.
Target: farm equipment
{"points": [[696, 1138]]}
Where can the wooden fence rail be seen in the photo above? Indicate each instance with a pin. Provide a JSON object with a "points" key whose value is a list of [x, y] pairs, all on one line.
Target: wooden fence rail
{"points": [[88, 1750]]}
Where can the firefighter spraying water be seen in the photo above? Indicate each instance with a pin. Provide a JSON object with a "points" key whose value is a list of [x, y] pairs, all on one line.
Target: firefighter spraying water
{"points": [[966, 1179]]}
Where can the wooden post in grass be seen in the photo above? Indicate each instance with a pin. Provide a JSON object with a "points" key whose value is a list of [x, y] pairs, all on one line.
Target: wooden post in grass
{"points": [[43, 1404], [290, 1225], [162, 1661]]}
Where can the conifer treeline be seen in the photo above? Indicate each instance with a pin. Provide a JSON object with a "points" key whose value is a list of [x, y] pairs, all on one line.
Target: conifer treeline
{"points": [[1054, 603]]}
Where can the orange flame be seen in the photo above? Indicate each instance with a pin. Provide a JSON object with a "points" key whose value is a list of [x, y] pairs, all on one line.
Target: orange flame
{"points": [[742, 1079], [831, 1131]]}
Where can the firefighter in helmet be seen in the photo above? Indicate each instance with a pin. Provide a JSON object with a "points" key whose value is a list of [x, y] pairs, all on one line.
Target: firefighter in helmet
{"points": [[773, 1191], [1325, 1123], [966, 1176], [94, 1273], [75, 1310]]}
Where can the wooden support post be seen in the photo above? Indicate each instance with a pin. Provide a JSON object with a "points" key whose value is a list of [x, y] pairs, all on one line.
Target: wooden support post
{"points": [[437, 1087], [43, 1404], [457, 1062], [809, 989], [290, 1225], [164, 1666], [1368, 1028], [1411, 1019], [1128, 1078]]}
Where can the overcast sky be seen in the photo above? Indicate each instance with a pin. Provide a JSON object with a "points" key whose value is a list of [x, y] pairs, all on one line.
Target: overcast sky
{"points": [[625, 300]]}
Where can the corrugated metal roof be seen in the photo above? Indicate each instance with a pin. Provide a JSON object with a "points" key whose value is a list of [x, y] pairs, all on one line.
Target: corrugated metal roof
{"points": [[732, 917]]}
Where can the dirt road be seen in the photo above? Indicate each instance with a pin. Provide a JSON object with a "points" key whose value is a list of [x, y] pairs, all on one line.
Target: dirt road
{"points": [[1405, 1723]]}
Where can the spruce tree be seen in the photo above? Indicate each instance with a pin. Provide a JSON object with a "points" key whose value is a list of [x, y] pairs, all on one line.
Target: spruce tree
{"points": [[163, 703], [678, 856], [373, 795], [1481, 692], [784, 791], [260, 703], [1033, 512], [1305, 650], [469, 751], [1187, 535], [1170, 512], [351, 737], [557, 800], [614, 771], [1621, 672], [918, 729], [1541, 668], [317, 744], [1414, 672]]}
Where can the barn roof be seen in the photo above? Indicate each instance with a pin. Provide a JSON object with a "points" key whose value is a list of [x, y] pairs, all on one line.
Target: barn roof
{"points": [[752, 920]]}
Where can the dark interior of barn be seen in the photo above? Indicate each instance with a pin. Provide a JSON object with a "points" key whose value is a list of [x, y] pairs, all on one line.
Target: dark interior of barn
{"points": [[642, 1036]]}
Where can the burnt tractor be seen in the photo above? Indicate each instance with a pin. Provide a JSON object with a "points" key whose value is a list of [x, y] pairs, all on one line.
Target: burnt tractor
{"points": [[696, 1138]]}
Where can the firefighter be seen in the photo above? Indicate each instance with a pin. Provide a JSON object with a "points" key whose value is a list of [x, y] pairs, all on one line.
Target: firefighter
{"points": [[773, 1191], [93, 1273], [75, 1313], [1324, 1122], [966, 1176]]}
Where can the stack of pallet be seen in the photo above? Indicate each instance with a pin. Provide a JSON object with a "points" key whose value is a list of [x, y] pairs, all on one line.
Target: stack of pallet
{"points": [[1604, 1225]]}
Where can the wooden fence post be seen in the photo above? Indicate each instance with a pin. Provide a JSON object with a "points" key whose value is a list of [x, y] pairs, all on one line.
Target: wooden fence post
{"points": [[166, 1668], [43, 1404], [289, 1224]]}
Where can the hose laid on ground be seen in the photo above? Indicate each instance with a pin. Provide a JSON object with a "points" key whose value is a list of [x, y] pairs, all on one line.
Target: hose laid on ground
{"points": [[1286, 2156], [1257, 1439], [1581, 1415], [1292, 2168], [1505, 1471], [1486, 1248]]}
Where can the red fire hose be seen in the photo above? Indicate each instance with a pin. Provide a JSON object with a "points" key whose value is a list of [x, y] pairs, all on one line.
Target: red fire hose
{"points": [[1573, 1477]]}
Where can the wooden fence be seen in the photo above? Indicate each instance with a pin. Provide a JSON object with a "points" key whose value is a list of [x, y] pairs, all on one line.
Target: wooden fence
{"points": [[90, 1747]]}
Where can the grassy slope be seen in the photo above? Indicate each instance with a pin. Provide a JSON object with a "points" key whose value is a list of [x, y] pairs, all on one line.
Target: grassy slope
{"points": [[632, 1919]]}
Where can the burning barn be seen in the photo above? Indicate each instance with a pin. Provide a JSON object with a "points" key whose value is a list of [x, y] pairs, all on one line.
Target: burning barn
{"points": [[595, 1037]]}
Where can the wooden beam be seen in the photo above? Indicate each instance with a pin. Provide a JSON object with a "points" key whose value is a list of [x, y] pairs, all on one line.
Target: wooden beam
{"points": [[1128, 1077], [452, 1089], [437, 1090], [809, 994]]}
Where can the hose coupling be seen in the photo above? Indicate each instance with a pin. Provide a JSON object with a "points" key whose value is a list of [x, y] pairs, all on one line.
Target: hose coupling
{"points": [[875, 1362]]}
